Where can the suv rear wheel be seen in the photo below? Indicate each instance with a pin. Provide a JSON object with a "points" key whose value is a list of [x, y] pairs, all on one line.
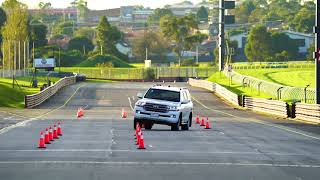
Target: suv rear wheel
{"points": [[176, 126]]}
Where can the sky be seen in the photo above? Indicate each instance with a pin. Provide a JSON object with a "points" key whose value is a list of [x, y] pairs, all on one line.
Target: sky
{"points": [[105, 4]]}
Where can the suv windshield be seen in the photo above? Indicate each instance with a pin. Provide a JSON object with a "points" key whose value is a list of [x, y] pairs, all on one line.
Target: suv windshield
{"points": [[163, 95]]}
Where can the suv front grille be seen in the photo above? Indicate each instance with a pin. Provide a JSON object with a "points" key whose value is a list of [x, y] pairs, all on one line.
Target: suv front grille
{"points": [[156, 107]]}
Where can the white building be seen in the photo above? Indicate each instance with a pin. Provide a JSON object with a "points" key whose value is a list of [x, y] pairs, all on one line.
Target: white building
{"points": [[240, 38]]}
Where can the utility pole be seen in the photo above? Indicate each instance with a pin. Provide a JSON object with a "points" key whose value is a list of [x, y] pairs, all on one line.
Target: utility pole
{"points": [[221, 34], [317, 49]]}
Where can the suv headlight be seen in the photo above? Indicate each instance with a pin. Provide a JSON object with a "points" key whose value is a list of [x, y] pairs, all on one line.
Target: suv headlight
{"points": [[140, 103], [173, 108]]}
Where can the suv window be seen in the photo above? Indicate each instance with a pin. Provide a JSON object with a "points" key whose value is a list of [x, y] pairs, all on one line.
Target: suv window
{"points": [[161, 94]]}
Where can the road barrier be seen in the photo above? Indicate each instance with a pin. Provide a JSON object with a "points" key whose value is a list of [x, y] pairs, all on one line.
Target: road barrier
{"points": [[307, 112], [218, 89], [34, 100], [276, 91], [278, 108]]}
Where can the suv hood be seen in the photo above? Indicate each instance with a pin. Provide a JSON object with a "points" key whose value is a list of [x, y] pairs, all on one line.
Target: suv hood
{"points": [[156, 101]]}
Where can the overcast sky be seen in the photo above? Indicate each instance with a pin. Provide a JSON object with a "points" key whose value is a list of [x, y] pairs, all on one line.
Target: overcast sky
{"points": [[105, 4]]}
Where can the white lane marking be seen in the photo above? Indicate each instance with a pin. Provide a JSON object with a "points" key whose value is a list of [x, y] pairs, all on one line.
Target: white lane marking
{"points": [[133, 98], [130, 103], [23, 123], [155, 151], [258, 121], [8, 118], [161, 163]]}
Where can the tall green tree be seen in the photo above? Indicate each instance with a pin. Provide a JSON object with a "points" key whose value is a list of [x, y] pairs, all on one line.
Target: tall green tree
{"points": [[85, 32], [304, 20], [38, 34], [82, 6], [3, 18], [179, 29], [258, 47], [157, 47], [65, 28], [14, 31], [202, 14], [107, 37], [243, 11]]}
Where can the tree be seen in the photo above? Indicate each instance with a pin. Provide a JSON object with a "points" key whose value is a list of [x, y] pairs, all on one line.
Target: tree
{"points": [[157, 47], [304, 20], [311, 52], [258, 47], [14, 31], [178, 29], [82, 6], [158, 14], [38, 33], [107, 37], [85, 32], [202, 14], [3, 18], [82, 44], [65, 28], [243, 11], [282, 42]]}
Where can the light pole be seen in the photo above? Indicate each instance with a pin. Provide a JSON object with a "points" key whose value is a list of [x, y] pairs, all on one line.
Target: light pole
{"points": [[317, 49]]}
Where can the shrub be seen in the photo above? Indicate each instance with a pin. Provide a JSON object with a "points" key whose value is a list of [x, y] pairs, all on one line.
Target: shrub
{"points": [[149, 74], [100, 59]]}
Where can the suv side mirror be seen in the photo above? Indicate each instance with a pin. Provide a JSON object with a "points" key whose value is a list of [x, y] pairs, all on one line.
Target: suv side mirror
{"points": [[140, 95]]}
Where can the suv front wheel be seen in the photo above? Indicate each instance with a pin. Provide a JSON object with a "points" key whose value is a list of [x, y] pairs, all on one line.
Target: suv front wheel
{"points": [[176, 126]]}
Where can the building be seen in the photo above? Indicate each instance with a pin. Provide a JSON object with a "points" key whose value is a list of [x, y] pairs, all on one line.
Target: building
{"points": [[68, 13], [304, 40], [93, 16]]}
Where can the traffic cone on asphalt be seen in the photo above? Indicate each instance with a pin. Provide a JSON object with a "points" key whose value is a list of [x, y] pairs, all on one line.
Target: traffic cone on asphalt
{"points": [[50, 134], [197, 119], [137, 130], [138, 137], [207, 124], [123, 113], [55, 132], [41, 141], [141, 142], [202, 122], [46, 137], [78, 113], [59, 129]]}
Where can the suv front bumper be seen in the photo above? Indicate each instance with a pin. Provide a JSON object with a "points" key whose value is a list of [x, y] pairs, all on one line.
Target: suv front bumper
{"points": [[171, 117]]}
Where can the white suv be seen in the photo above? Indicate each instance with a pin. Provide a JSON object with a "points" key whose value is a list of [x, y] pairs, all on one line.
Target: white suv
{"points": [[164, 105]]}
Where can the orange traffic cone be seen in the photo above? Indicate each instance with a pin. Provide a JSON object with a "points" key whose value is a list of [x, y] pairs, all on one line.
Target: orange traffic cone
{"points": [[137, 130], [207, 124], [138, 137], [50, 134], [55, 132], [59, 129], [141, 142], [46, 137], [41, 141], [197, 119], [202, 122], [123, 113], [78, 113]]}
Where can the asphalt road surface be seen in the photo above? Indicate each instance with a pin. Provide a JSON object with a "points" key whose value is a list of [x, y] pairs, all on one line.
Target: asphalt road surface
{"points": [[241, 145]]}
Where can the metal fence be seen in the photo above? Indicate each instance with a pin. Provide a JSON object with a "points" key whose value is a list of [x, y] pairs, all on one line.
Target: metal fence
{"points": [[16, 73], [138, 73], [298, 64], [276, 91]]}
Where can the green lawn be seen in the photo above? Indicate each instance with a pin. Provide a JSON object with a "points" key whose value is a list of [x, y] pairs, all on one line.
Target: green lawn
{"points": [[221, 79], [14, 97], [285, 76]]}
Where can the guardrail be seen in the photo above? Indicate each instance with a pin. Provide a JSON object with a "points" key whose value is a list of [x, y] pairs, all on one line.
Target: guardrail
{"points": [[218, 89], [34, 100], [307, 112], [274, 107]]}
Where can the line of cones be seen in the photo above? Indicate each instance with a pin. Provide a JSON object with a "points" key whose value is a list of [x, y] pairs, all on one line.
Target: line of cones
{"points": [[50, 135], [202, 122], [139, 137]]}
